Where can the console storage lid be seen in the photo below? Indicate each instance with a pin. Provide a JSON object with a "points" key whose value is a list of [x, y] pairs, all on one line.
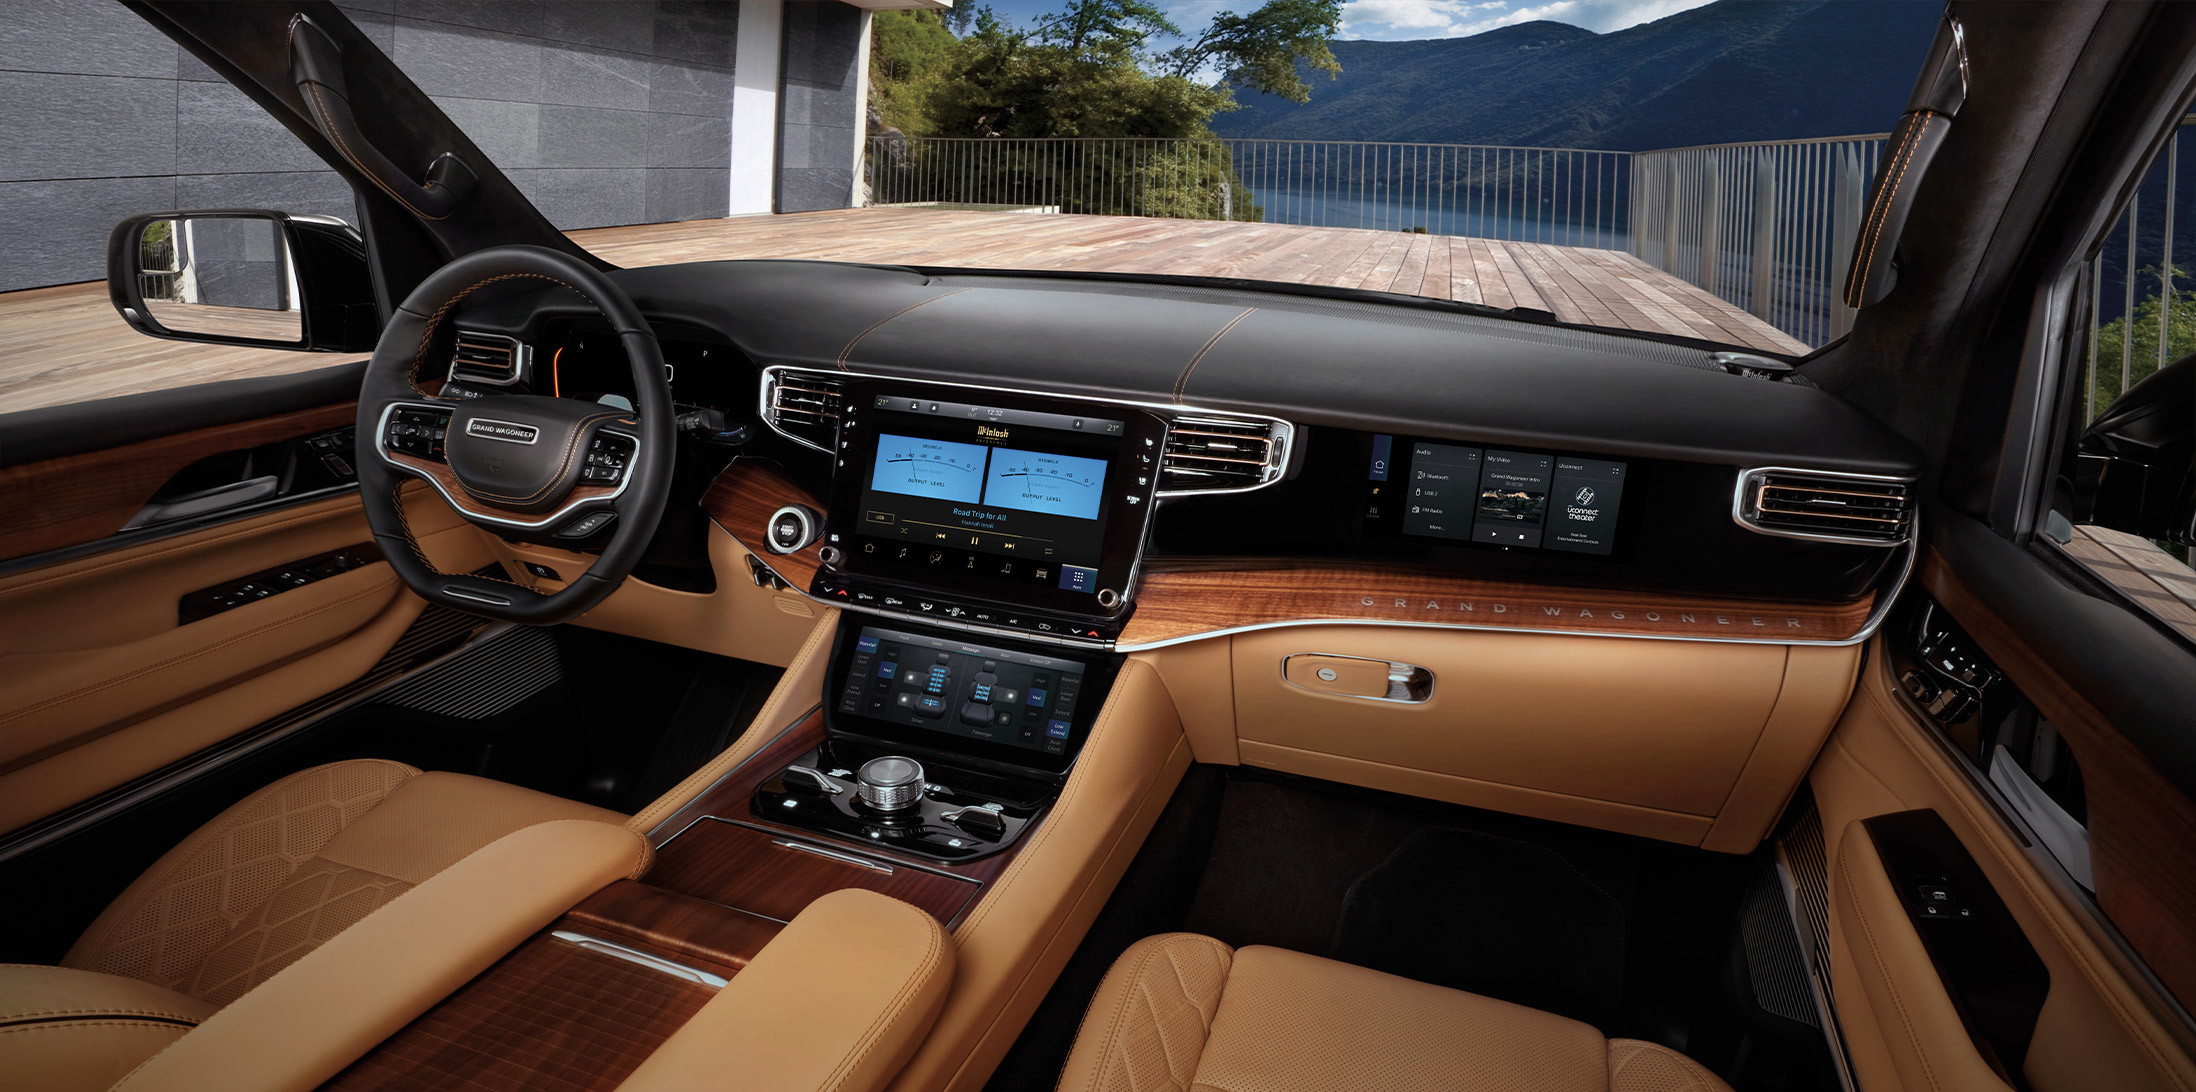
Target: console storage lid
{"points": [[839, 1000]]}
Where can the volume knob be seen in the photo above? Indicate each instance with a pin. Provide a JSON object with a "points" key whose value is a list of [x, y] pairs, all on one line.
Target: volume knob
{"points": [[891, 783]]}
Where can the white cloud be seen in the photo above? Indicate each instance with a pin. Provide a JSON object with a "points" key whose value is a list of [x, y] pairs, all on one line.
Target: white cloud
{"points": [[1405, 19]]}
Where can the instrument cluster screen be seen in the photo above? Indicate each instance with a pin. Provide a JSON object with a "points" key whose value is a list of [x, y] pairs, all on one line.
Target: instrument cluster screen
{"points": [[1014, 495], [1518, 499]]}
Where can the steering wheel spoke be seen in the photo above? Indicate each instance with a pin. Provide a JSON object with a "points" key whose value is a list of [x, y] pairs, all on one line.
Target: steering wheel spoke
{"points": [[515, 463]]}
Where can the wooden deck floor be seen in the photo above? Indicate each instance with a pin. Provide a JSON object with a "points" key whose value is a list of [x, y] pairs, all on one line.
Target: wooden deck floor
{"points": [[65, 344]]}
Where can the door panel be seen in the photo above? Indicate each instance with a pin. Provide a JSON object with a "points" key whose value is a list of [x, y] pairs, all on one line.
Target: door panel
{"points": [[73, 499], [101, 682], [2100, 1025]]}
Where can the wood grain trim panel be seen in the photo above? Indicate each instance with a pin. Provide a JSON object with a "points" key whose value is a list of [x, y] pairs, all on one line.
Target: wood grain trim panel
{"points": [[1178, 600], [549, 1016], [741, 500], [75, 499], [751, 870], [2142, 830]]}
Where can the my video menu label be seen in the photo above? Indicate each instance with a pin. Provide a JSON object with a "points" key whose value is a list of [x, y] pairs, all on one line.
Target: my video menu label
{"points": [[1509, 498]]}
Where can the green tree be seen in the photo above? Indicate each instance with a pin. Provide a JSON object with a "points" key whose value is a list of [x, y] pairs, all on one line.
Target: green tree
{"points": [[1106, 31], [1261, 50], [2113, 339]]}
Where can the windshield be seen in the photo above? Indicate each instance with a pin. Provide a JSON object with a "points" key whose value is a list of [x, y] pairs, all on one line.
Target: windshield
{"points": [[1699, 174]]}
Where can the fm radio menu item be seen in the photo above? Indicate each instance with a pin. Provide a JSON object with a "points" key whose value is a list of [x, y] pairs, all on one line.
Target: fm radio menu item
{"points": [[993, 694], [1506, 498]]}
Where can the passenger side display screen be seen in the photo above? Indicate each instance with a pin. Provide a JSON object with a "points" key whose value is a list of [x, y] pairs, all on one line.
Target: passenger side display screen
{"points": [[1519, 499], [1018, 495]]}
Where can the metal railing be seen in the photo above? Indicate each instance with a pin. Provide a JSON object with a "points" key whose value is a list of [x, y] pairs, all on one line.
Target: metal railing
{"points": [[1768, 226], [1564, 196], [2134, 288]]}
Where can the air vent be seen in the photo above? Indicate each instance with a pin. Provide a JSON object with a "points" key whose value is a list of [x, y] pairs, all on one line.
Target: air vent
{"points": [[489, 359], [1858, 508], [1223, 454], [804, 406]]}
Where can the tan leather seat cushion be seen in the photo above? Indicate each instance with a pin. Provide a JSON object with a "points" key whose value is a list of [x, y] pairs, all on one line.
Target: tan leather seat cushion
{"points": [[1186, 1013], [64, 1029], [295, 863]]}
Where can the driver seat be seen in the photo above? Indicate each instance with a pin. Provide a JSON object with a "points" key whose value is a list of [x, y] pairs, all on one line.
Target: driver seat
{"points": [[244, 896]]}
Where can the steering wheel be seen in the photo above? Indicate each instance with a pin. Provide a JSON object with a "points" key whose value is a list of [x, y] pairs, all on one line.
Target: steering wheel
{"points": [[554, 466]]}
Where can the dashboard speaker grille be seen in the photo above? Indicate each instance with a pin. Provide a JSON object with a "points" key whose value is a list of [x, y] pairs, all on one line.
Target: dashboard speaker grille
{"points": [[1834, 507], [1222, 454], [491, 359], [805, 406]]}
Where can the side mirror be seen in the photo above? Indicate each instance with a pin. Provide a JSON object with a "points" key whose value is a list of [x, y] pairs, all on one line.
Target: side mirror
{"points": [[2143, 451], [244, 277]]}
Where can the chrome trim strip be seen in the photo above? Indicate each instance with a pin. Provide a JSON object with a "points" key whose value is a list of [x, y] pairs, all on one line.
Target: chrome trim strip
{"points": [[381, 433], [634, 955], [491, 600], [835, 855], [1747, 475], [1286, 438]]}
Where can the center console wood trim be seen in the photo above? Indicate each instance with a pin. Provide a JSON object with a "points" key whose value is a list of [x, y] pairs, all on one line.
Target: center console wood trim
{"points": [[741, 500]]}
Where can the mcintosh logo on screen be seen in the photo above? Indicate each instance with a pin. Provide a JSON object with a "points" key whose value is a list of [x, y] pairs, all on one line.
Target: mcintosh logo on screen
{"points": [[990, 433]]}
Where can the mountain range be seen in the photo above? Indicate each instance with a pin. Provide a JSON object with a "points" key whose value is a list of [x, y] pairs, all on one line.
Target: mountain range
{"points": [[1735, 70]]}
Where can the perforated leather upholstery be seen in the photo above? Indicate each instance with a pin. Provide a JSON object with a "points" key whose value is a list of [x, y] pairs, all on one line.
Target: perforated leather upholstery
{"points": [[1185, 1013], [247, 894]]}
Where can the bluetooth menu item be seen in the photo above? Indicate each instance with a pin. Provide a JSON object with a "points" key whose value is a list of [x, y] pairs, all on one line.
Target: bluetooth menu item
{"points": [[1497, 497]]}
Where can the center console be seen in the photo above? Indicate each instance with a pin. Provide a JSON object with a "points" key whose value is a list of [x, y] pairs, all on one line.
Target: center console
{"points": [[1013, 513], [936, 744]]}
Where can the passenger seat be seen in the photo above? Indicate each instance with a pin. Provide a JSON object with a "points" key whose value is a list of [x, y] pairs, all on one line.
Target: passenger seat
{"points": [[1185, 1013]]}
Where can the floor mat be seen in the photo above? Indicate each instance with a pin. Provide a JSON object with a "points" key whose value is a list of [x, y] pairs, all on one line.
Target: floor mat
{"points": [[1492, 916]]}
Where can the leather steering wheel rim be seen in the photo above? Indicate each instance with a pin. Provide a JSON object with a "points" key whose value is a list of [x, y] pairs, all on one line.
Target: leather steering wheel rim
{"points": [[394, 376]]}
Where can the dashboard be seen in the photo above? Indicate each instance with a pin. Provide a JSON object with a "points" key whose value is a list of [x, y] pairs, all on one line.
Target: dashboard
{"points": [[1117, 465]]}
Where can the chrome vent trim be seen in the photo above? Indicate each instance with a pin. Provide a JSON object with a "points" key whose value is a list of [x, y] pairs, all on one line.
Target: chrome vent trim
{"points": [[1223, 453], [493, 360], [804, 407], [1825, 505]]}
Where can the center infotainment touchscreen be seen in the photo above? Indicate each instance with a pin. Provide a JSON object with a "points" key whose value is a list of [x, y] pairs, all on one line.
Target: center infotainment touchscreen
{"points": [[1035, 504]]}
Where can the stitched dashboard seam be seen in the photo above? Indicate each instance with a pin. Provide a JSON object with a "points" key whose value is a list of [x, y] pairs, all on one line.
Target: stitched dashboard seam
{"points": [[847, 353], [1181, 382]]}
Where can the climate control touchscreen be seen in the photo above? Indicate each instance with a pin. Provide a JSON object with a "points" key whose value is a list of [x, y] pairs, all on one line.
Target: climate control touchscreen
{"points": [[995, 695], [1519, 499]]}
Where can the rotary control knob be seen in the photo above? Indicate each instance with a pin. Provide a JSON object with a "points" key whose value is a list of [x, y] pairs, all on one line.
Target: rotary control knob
{"points": [[890, 783]]}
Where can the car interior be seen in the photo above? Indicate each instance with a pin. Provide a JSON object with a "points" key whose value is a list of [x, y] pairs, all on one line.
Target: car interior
{"points": [[783, 674]]}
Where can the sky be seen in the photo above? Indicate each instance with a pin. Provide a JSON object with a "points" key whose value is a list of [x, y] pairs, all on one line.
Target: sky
{"points": [[1405, 20]]}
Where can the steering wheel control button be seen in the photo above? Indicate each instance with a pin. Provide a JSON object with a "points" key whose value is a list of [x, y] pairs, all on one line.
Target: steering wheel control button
{"points": [[891, 783], [793, 528], [418, 431], [607, 456], [587, 525]]}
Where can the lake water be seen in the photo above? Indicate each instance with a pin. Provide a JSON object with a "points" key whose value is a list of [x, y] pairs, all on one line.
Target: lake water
{"points": [[1456, 214]]}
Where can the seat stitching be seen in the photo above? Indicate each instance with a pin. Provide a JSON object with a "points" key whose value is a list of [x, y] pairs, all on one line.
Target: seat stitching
{"points": [[99, 1010], [932, 951], [69, 1025], [376, 588], [1181, 382], [847, 353], [1120, 1010], [2104, 989], [1906, 1022]]}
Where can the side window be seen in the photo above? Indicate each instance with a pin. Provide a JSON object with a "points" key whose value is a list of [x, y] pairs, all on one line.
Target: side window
{"points": [[2125, 506]]}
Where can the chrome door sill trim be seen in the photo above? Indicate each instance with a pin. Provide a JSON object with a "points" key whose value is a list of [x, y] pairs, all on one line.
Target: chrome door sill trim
{"points": [[640, 958], [1818, 976]]}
